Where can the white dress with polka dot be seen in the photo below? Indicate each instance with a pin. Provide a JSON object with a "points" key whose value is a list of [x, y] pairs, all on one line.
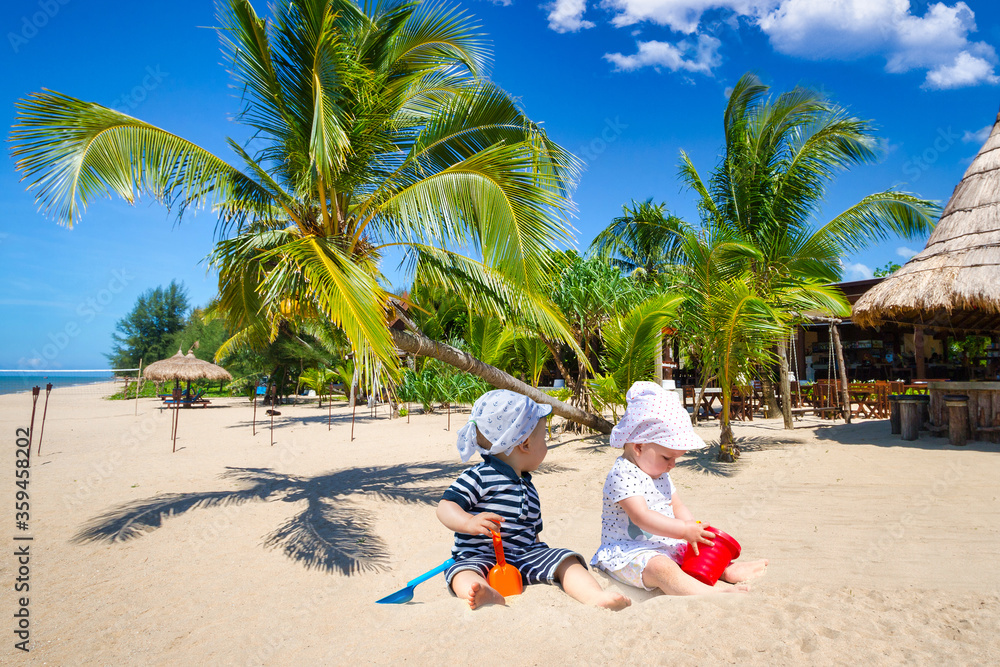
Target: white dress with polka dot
{"points": [[621, 540]]}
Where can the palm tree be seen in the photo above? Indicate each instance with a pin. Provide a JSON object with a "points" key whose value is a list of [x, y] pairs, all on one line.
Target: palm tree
{"points": [[373, 129], [589, 292], [631, 341], [318, 379], [781, 154], [729, 322], [532, 355], [644, 242]]}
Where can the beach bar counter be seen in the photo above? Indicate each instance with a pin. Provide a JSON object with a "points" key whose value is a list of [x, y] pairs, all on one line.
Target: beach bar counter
{"points": [[982, 407]]}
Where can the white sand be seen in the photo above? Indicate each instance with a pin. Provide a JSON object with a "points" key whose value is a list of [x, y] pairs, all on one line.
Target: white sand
{"points": [[881, 551]]}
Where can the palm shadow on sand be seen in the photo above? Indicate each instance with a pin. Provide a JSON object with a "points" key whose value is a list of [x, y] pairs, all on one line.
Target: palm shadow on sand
{"points": [[331, 533]]}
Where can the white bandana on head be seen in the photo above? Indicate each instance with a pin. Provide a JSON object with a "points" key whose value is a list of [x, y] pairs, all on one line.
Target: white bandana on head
{"points": [[655, 415], [504, 417]]}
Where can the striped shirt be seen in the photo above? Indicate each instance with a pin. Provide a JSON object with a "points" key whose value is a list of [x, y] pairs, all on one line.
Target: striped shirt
{"points": [[493, 486]]}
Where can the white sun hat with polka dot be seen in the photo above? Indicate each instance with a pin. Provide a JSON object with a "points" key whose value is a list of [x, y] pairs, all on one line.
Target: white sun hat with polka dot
{"points": [[505, 418], [655, 415]]}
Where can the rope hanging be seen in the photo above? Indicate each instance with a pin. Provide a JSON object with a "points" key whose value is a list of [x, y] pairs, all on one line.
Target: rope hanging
{"points": [[795, 360]]}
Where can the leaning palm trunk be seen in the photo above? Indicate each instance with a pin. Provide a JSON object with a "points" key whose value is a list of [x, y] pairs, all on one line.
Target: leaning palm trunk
{"points": [[415, 344]]}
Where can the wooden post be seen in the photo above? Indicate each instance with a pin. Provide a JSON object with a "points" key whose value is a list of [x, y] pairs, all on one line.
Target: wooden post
{"points": [[31, 427], [843, 375], [138, 386], [918, 352], [895, 426], [800, 354], [659, 359], [668, 362], [45, 410], [786, 386], [909, 417], [255, 410], [175, 397], [958, 419]]}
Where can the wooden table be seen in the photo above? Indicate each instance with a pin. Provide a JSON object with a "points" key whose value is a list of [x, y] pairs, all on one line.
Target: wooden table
{"points": [[984, 407], [711, 395], [864, 397], [743, 403]]}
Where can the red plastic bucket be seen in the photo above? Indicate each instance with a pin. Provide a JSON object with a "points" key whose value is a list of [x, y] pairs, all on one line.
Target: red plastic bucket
{"points": [[711, 561]]}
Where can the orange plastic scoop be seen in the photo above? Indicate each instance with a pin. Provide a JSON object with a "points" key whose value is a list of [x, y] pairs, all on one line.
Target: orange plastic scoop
{"points": [[503, 578]]}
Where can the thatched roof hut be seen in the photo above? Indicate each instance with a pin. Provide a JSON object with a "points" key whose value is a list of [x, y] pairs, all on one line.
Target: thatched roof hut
{"points": [[954, 283], [185, 367]]}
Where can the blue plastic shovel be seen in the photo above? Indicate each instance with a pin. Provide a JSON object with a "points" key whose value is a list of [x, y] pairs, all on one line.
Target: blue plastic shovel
{"points": [[404, 595]]}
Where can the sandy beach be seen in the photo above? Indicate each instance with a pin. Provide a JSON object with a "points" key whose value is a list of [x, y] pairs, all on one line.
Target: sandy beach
{"points": [[234, 551]]}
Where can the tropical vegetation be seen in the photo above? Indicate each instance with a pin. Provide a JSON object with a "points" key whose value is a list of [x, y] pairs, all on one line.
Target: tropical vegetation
{"points": [[374, 132], [149, 332], [760, 257]]}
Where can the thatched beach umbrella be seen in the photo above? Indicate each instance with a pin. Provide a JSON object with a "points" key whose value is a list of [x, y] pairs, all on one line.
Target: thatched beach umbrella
{"points": [[954, 283], [185, 368], [181, 367]]}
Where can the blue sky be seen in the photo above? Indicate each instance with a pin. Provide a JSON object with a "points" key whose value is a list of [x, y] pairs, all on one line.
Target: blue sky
{"points": [[625, 84]]}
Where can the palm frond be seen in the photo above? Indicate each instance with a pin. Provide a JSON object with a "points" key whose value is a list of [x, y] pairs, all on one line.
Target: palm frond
{"points": [[489, 293], [344, 293], [877, 216], [73, 151], [630, 340]]}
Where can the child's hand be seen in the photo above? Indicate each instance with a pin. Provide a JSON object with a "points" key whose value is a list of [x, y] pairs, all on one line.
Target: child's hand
{"points": [[695, 533], [482, 524]]}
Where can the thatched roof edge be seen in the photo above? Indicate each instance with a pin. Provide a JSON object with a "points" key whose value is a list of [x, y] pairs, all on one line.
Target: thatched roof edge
{"points": [[959, 268]]}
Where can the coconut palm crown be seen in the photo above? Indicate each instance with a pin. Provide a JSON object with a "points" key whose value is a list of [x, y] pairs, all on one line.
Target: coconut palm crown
{"points": [[373, 127], [781, 154]]}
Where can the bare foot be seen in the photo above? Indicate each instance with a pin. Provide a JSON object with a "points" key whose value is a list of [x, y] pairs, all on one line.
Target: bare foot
{"points": [[723, 587], [612, 600], [481, 595], [737, 572]]}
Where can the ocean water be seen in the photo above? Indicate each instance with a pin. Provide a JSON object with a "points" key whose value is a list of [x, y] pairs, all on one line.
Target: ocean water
{"points": [[14, 382]]}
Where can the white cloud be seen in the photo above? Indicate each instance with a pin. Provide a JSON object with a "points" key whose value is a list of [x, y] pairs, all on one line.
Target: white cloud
{"points": [[858, 271], [845, 29], [567, 15], [684, 55], [978, 137], [905, 252], [679, 15], [830, 29], [938, 41], [967, 70]]}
